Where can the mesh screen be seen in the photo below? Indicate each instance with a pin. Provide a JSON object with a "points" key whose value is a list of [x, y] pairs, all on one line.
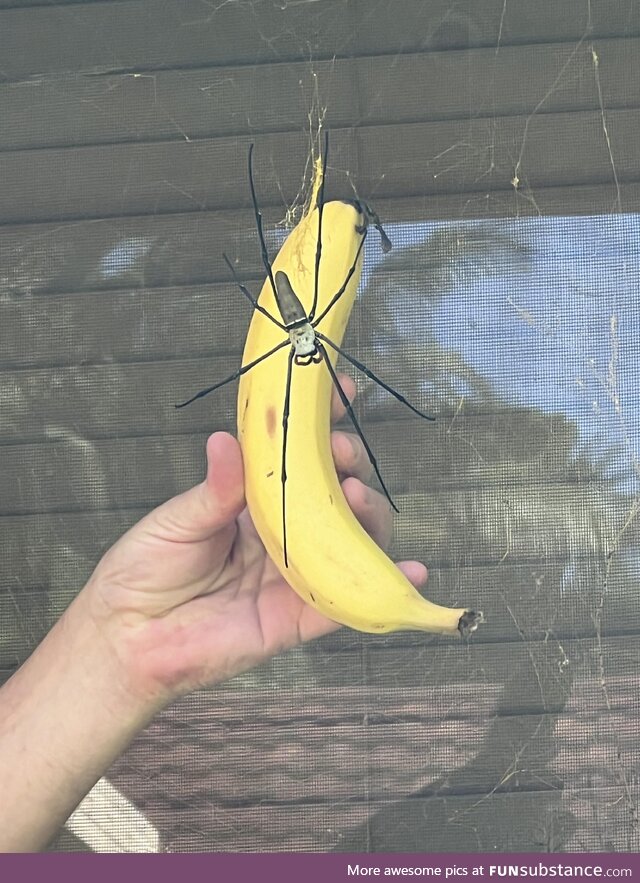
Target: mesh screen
{"points": [[498, 143]]}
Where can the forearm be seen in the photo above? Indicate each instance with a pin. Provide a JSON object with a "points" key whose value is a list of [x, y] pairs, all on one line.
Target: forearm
{"points": [[65, 716]]}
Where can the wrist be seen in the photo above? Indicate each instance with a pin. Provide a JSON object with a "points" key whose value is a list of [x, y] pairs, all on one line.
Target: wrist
{"points": [[120, 637], [65, 716]]}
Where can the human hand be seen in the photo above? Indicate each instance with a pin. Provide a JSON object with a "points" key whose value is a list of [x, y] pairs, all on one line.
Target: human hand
{"points": [[189, 597]]}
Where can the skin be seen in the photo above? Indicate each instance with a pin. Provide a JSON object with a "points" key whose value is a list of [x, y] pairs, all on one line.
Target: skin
{"points": [[186, 598]]}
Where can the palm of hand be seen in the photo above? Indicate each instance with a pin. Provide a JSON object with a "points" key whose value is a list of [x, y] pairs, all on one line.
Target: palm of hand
{"points": [[203, 605], [191, 591]]}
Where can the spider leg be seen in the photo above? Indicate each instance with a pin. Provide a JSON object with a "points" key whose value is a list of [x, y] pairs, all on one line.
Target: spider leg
{"points": [[235, 375], [373, 377], [258, 216], [343, 287], [377, 223], [345, 401], [316, 275], [283, 474], [254, 303]]}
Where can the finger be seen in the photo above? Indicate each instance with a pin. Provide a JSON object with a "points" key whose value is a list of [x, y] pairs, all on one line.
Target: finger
{"points": [[350, 457], [374, 513], [211, 505], [371, 509], [338, 410], [415, 572], [223, 488]]}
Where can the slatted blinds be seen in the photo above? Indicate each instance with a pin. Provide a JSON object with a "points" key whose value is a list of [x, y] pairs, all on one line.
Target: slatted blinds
{"points": [[498, 140]]}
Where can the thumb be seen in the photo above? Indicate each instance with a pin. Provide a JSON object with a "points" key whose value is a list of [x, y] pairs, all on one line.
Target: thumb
{"points": [[223, 488], [211, 505]]}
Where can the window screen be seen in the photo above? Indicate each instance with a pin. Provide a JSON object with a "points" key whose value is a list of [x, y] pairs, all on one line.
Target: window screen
{"points": [[499, 144]]}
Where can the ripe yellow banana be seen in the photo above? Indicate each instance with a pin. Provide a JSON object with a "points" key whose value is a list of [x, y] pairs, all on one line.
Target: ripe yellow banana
{"points": [[332, 563]]}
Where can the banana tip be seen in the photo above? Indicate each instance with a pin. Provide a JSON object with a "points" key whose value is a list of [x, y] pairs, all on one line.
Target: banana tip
{"points": [[469, 622]]}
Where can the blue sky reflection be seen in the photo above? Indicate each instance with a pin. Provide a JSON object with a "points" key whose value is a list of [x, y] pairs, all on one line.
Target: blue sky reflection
{"points": [[544, 309]]}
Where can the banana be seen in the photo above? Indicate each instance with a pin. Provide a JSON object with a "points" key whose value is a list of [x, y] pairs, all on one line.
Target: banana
{"points": [[329, 559]]}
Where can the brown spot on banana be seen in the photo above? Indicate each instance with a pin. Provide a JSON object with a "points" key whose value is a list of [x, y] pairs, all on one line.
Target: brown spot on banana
{"points": [[271, 421]]}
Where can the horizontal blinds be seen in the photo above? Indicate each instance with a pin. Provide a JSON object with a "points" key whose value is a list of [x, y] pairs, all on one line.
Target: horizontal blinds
{"points": [[140, 34], [94, 153], [123, 170]]}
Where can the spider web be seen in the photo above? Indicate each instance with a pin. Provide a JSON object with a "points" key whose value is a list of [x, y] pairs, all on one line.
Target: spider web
{"points": [[494, 143]]}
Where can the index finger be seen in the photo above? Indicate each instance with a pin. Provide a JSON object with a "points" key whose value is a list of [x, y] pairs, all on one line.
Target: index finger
{"points": [[348, 385]]}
